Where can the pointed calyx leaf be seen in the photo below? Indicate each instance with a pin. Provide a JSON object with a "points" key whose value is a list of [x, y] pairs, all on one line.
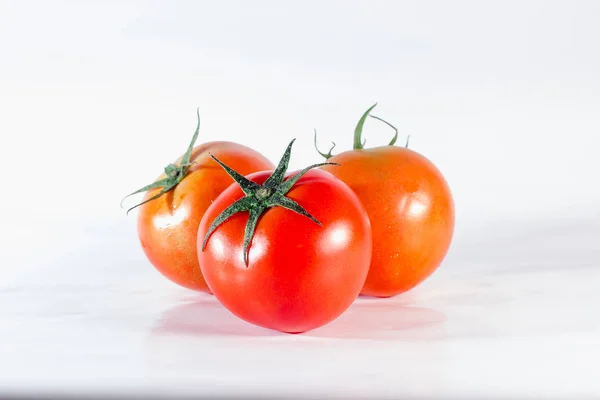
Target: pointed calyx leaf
{"points": [[243, 204], [277, 176], [174, 173], [246, 184], [287, 185], [259, 198]]}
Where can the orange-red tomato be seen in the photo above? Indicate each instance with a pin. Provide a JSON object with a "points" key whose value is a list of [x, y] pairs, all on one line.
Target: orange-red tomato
{"points": [[300, 275], [168, 225], [411, 210]]}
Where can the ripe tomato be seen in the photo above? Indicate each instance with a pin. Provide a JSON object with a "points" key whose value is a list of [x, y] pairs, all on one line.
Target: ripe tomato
{"points": [[306, 263], [168, 225], [410, 207]]}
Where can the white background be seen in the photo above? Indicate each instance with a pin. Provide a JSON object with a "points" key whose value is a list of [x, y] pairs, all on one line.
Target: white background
{"points": [[96, 97]]}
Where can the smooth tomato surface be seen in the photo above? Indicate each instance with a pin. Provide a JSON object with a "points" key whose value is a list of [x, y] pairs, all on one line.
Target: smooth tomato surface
{"points": [[168, 225], [411, 212], [300, 275]]}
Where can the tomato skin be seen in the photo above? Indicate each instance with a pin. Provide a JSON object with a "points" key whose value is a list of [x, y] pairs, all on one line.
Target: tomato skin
{"points": [[411, 210], [300, 275], [168, 225]]}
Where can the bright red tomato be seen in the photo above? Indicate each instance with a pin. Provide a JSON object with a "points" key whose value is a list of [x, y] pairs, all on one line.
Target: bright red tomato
{"points": [[299, 275]]}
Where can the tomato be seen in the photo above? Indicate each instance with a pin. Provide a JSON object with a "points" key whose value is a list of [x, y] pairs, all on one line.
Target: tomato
{"points": [[168, 225], [410, 207], [304, 264]]}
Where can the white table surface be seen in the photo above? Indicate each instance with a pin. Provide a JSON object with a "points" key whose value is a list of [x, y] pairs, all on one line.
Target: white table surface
{"points": [[512, 312], [96, 97]]}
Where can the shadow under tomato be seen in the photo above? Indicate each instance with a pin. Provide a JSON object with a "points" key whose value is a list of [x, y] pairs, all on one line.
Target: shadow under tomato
{"points": [[367, 318], [207, 317], [377, 319]]}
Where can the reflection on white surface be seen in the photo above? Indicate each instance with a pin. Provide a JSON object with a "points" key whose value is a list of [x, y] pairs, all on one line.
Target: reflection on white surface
{"points": [[366, 319], [513, 307]]}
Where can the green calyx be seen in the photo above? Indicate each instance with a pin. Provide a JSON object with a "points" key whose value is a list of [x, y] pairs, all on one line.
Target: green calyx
{"points": [[175, 173], [359, 143], [327, 156], [259, 198]]}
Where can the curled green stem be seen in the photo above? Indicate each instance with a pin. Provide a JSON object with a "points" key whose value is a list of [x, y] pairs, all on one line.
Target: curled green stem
{"points": [[359, 144], [327, 156], [391, 126]]}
